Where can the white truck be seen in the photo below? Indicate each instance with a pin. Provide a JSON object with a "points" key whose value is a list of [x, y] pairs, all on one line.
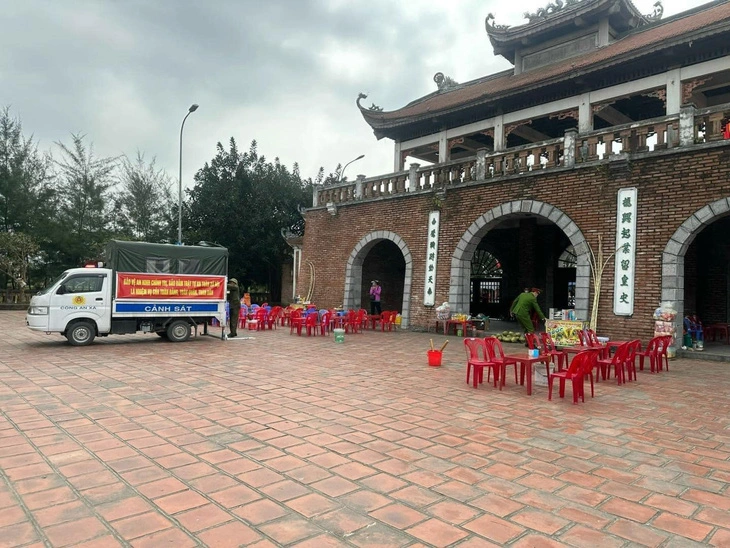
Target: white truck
{"points": [[153, 288]]}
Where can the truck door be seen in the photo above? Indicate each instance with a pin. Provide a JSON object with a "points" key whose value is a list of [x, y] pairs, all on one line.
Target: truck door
{"points": [[83, 295]]}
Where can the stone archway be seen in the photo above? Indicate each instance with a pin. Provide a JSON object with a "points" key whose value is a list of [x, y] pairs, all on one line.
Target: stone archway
{"points": [[461, 259], [353, 273], [673, 255]]}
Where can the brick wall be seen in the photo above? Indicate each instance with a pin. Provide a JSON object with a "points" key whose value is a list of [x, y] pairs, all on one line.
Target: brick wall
{"points": [[671, 187]]}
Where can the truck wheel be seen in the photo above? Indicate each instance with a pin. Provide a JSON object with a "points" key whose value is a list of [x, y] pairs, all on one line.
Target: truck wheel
{"points": [[178, 331], [162, 334], [81, 333]]}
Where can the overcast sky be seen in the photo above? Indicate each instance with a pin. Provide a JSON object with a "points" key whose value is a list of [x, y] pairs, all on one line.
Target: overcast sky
{"points": [[283, 72]]}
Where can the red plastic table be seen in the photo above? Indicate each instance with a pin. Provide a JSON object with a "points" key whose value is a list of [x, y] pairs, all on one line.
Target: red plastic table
{"points": [[579, 348], [526, 364], [613, 345], [448, 323]]}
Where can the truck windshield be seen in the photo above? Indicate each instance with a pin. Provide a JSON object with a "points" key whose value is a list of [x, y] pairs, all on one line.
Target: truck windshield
{"points": [[52, 284]]}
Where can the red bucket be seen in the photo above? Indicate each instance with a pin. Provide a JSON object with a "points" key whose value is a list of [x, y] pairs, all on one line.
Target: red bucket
{"points": [[434, 357]]}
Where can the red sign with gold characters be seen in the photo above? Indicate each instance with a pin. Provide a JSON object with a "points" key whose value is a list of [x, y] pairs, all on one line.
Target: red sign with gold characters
{"points": [[168, 286]]}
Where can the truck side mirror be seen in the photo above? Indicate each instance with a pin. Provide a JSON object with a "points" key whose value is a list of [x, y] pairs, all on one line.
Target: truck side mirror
{"points": [[61, 290]]}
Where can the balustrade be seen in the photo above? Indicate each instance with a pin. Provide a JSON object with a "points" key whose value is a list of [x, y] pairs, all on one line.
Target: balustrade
{"points": [[637, 137], [708, 124]]}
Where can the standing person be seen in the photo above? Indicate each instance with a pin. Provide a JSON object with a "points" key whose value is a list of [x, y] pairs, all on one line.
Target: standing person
{"points": [[375, 290], [512, 314], [233, 296], [523, 306]]}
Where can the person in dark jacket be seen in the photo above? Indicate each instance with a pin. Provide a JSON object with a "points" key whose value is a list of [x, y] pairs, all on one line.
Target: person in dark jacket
{"points": [[523, 306], [233, 296]]}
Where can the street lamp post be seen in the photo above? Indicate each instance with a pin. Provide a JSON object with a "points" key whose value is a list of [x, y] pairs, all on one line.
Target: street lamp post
{"points": [[192, 109], [347, 164]]}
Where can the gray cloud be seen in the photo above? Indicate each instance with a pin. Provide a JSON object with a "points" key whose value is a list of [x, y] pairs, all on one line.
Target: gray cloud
{"points": [[283, 72]]}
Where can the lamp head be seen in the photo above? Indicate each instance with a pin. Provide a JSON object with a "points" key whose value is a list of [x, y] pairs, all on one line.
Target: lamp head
{"points": [[193, 108], [360, 157]]}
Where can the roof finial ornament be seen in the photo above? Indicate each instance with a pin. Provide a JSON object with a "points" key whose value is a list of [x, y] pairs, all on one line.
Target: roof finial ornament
{"points": [[490, 24], [657, 13], [373, 106], [444, 82], [551, 8]]}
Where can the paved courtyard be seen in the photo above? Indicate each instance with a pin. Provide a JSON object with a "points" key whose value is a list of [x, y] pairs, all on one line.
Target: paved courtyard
{"points": [[289, 441]]}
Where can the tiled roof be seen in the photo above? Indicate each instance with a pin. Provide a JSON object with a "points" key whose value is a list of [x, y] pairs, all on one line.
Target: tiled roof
{"points": [[659, 36]]}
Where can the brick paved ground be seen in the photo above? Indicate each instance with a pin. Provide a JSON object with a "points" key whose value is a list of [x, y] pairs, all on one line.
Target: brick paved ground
{"points": [[301, 442]]}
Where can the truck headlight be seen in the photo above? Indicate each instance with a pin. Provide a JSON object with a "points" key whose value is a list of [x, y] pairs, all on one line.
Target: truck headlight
{"points": [[38, 310]]}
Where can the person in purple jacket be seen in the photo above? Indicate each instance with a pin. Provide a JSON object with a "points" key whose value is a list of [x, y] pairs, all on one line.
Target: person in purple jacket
{"points": [[375, 297]]}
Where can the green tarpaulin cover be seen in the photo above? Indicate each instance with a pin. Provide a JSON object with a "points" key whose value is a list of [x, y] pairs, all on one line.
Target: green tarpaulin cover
{"points": [[124, 256]]}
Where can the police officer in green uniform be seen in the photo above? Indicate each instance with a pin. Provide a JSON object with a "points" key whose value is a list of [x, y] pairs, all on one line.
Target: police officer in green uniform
{"points": [[523, 306], [233, 296]]}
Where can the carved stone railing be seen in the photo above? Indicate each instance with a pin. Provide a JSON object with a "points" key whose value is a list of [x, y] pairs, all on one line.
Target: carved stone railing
{"points": [[636, 137], [688, 128], [484, 165], [708, 123]]}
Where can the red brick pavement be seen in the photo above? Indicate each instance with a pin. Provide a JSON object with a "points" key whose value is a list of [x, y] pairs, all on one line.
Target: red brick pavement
{"points": [[282, 440]]}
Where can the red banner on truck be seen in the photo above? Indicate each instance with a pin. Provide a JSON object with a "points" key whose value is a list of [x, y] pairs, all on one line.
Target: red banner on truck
{"points": [[132, 285]]}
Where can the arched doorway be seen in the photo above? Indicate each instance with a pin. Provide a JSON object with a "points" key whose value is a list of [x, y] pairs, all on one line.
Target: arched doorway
{"points": [[521, 212], [696, 266], [381, 255], [487, 293]]}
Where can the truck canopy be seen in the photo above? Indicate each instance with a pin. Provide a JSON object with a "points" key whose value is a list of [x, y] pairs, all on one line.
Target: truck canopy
{"points": [[124, 256]]}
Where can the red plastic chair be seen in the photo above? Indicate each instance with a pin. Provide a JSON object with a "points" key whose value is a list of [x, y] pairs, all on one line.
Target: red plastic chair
{"points": [[311, 323], [651, 352], [477, 358], [365, 318], [532, 342], [663, 352], [549, 346], [387, 320], [336, 321], [262, 317], [242, 317], [351, 322], [617, 362], [629, 363], [576, 372], [273, 318], [296, 321], [362, 320], [325, 323], [496, 355], [593, 342]]}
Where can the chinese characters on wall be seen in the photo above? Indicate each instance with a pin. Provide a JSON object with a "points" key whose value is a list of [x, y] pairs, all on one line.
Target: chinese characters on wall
{"points": [[429, 288], [623, 290]]}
